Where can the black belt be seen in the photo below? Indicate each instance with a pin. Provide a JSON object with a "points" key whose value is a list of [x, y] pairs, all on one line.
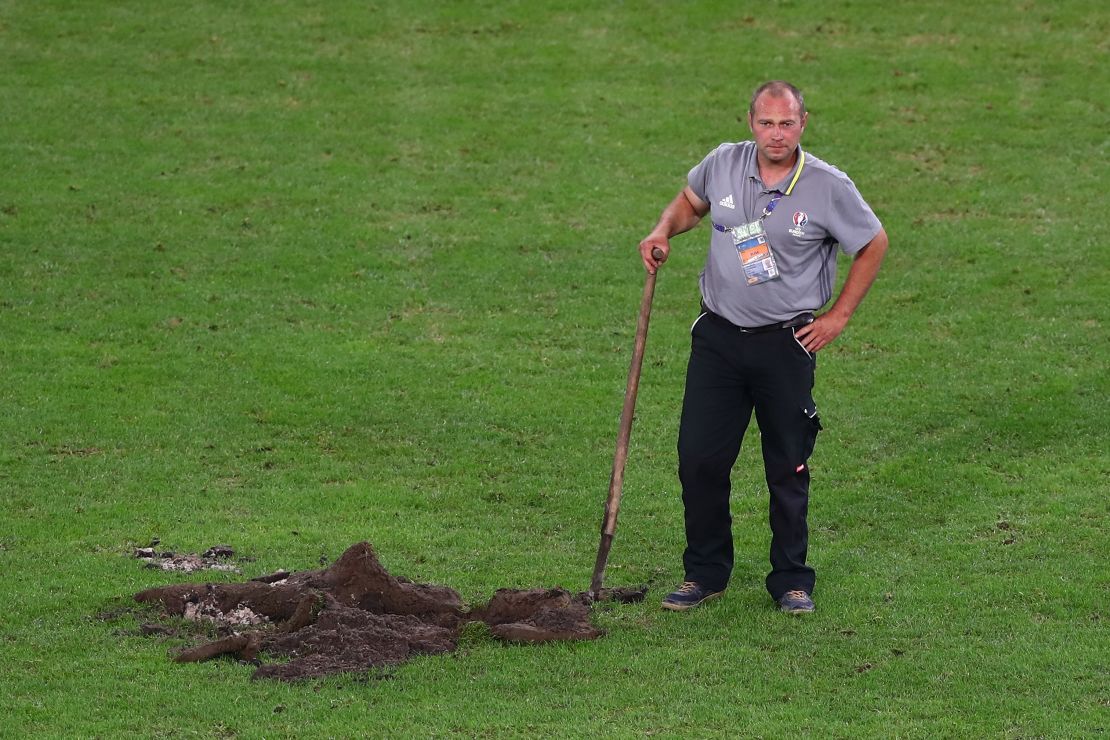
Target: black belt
{"points": [[800, 320]]}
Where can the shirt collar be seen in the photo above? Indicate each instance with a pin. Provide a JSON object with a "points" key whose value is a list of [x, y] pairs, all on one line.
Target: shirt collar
{"points": [[753, 172]]}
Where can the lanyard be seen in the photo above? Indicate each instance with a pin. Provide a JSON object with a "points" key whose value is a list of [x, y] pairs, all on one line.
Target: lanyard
{"points": [[770, 207]]}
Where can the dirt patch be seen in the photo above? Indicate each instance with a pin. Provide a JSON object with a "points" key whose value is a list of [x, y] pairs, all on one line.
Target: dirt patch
{"points": [[354, 616], [537, 616], [214, 558]]}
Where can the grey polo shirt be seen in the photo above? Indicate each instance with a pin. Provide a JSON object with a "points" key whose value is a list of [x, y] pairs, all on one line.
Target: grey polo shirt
{"points": [[823, 210]]}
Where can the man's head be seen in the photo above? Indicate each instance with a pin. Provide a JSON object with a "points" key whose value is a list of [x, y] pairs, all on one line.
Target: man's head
{"points": [[777, 89], [777, 117]]}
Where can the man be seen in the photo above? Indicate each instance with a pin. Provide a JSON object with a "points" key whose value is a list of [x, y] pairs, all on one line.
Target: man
{"points": [[778, 214]]}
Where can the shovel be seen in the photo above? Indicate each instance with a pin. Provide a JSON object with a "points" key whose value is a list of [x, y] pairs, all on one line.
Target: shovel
{"points": [[616, 479]]}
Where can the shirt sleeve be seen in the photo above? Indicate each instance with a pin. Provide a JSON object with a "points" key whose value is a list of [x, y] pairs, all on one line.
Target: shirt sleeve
{"points": [[698, 177], [852, 222]]}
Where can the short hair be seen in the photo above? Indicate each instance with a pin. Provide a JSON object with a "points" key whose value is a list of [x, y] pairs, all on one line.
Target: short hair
{"points": [[778, 89]]}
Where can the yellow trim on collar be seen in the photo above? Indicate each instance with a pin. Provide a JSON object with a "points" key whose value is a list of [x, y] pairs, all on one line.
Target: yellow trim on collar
{"points": [[801, 164]]}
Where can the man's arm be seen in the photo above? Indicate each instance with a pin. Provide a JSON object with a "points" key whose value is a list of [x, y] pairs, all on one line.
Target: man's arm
{"points": [[865, 267], [683, 214]]}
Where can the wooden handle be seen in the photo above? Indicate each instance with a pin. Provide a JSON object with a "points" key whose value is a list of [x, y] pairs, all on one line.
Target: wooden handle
{"points": [[616, 479]]}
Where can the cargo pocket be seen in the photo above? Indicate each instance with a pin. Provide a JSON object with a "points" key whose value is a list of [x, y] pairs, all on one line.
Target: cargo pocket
{"points": [[811, 430]]}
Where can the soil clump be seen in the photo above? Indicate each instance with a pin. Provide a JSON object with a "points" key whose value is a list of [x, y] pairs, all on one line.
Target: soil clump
{"points": [[214, 558], [354, 616]]}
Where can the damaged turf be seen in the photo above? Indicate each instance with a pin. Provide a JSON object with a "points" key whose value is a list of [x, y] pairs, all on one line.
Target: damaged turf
{"points": [[214, 558], [355, 616]]}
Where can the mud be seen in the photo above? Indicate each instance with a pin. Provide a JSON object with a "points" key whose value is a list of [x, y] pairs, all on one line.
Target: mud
{"points": [[537, 616], [354, 616], [214, 558]]}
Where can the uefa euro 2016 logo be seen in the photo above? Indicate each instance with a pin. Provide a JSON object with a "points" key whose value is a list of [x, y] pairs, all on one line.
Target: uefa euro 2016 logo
{"points": [[800, 220]]}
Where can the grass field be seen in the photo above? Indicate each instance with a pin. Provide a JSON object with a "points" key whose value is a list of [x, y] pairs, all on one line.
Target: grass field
{"points": [[291, 275]]}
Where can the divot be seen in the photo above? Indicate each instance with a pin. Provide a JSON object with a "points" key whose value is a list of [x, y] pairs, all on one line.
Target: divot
{"points": [[354, 617]]}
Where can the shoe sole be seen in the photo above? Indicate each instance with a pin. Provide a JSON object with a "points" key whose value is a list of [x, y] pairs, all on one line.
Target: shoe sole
{"points": [[797, 611], [686, 607]]}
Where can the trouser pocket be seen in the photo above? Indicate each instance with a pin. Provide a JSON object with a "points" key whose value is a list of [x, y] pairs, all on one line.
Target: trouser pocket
{"points": [[812, 357], [812, 427]]}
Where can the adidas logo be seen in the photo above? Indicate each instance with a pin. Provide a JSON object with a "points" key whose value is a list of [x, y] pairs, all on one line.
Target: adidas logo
{"points": [[728, 202]]}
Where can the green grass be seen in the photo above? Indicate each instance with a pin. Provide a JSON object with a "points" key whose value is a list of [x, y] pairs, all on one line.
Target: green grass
{"points": [[292, 275]]}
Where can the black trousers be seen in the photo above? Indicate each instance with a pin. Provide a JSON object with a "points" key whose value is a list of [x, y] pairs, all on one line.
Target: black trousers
{"points": [[731, 373]]}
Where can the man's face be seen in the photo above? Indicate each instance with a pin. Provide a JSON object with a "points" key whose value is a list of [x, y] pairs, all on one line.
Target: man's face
{"points": [[777, 125]]}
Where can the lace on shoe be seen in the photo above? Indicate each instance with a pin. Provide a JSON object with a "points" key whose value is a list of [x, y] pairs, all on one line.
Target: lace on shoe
{"points": [[798, 594], [687, 587]]}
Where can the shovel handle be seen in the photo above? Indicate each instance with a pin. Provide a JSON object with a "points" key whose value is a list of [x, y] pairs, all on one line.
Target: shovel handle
{"points": [[616, 478]]}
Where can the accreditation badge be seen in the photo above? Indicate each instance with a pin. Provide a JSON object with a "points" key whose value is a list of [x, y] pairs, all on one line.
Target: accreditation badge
{"points": [[755, 253]]}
